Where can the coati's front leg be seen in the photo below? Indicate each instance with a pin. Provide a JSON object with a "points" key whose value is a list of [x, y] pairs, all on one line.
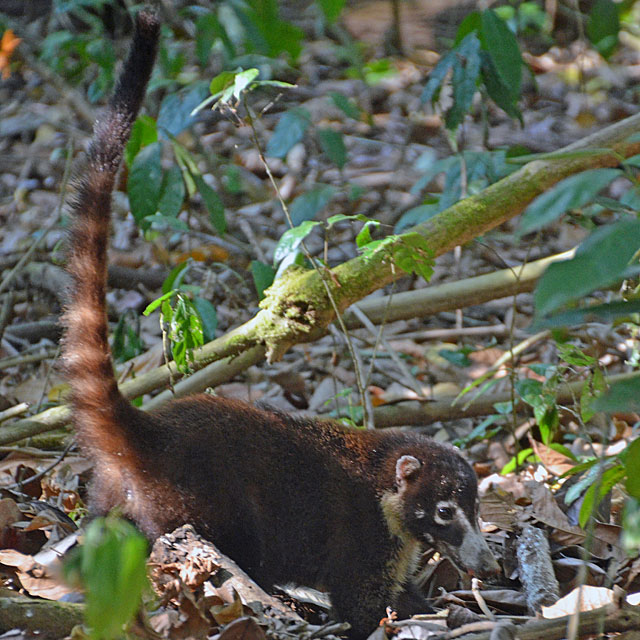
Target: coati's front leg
{"points": [[410, 601]]}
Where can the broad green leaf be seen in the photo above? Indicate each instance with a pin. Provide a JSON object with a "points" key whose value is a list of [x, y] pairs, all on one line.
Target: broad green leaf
{"points": [[172, 192], [431, 90], [497, 89], [208, 317], [416, 215], [214, 205], [518, 460], [466, 69], [601, 260], [331, 9], [143, 133], [413, 255], [176, 275], [145, 182], [632, 466], [364, 237], [603, 26], [623, 395], [346, 105], [599, 490], [471, 23], [289, 131], [309, 204], [208, 30], [291, 240], [332, 143], [571, 193], [111, 565], [221, 82], [176, 109], [263, 275], [602, 313], [502, 46]]}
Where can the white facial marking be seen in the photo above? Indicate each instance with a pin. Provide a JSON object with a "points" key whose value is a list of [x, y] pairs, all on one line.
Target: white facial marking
{"points": [[420, 513]]}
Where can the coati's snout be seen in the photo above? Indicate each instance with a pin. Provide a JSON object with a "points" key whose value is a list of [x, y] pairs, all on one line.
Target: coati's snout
{"points": [[439, 508]]}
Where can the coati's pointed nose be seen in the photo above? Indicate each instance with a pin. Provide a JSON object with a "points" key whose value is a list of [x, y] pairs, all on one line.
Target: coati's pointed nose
{"points": [[486, 566]]}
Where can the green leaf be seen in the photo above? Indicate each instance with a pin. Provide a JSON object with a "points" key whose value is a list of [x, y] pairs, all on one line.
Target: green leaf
{"points": [[603, 26], [632, 466], [309, 204], [599, 490], [517, 461], [497, 89], [413, 255], [466, 69], [623, 395], [126, 343], [341, 217], [331, 9], [208, 317], [332, 143], [291, 240], [208, 30], [111, 565], [177, 108], [289, 131], [364, 237], [214, 205], [152, 306], [601, 260], [431, 90], [472, 23], [263, 275], [145, 182], [346, 105], [603, 313], [172, 193], [502, 46], [571, 193], [143, 133]]}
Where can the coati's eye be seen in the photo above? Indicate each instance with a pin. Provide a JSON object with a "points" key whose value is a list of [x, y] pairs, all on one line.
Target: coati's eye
{"points": [[445, 513]]}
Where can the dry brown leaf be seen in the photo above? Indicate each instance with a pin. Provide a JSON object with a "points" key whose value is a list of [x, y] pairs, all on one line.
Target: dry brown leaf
{"points": [[554, 461], [245, 628]]}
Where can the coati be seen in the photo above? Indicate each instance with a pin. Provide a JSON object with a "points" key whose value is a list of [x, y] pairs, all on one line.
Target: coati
{"points": [[289, 499]]}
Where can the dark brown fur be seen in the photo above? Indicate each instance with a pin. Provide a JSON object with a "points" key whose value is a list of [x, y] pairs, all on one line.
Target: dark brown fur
{"points": [[289, 499]]}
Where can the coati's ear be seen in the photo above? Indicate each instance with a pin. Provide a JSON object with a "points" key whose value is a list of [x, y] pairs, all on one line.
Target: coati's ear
{"points": [[407, 467]]}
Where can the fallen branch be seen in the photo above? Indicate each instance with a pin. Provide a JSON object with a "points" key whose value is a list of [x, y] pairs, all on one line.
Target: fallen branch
{"points": [[297, 307], [51, 619]]}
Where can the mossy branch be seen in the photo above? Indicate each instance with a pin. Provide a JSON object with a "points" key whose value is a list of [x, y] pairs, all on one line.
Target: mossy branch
{"points": [[297, 308]]}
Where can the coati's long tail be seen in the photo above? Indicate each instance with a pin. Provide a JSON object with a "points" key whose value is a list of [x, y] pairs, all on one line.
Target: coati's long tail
{"points": [[95, 397]]}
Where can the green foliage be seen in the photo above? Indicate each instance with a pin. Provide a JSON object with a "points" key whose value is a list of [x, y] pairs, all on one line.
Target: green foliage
{"points": [[263, 276], [571, 193], [78, 55], [487, 53], [601, 260], [288, 132], [309, 204], [331, 9], [477, 169], [111, 566], [127, 343], [603, 26]]}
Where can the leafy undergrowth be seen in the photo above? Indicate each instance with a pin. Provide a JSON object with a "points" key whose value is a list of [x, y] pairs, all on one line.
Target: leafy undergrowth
{"points": [[353, 138]]}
